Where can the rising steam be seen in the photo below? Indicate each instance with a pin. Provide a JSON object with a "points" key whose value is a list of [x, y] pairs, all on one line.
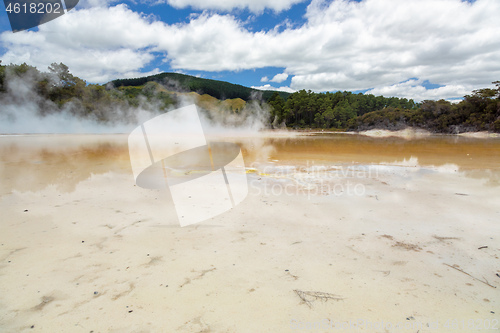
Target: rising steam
{"points": [[24, 111]]}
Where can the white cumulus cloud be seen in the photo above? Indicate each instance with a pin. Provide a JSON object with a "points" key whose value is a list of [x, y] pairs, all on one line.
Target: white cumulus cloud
{"points": [[98, 44], [269, 87], [414, 89], [278, 78], [344, 45], [256, 6]]}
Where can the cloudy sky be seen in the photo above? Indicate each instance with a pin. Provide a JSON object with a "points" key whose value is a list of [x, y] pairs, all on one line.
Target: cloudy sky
{"points": [[420, 49]]}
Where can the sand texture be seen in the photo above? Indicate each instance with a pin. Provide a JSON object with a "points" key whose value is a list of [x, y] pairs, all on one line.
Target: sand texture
{"points": [[318, 242]]}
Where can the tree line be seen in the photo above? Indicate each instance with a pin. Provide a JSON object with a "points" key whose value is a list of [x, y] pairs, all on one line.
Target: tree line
{"points": [[58, 89], [479, 111], [306, 109]]}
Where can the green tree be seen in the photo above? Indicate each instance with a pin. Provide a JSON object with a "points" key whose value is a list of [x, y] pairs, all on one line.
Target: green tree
{"points": [[342, 113], [65, 86], [277, 104], [329, 118]]}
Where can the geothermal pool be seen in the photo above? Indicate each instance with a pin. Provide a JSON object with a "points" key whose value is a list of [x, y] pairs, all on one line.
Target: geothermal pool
{"points": [[339, 232]]}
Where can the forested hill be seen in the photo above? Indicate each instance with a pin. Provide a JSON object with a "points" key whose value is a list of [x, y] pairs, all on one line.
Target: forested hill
{"points": [[180, 82], [25, 88]]}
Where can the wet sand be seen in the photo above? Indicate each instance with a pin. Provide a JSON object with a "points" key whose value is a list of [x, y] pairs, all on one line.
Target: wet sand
{"points": [[339, 233]]}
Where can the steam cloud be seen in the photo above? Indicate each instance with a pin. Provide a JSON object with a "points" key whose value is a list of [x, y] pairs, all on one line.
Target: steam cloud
{"points": [[24, 111]]}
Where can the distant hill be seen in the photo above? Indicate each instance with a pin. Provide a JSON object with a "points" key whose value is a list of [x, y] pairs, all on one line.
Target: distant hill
{"points": [[60, 91], [186, 83]]}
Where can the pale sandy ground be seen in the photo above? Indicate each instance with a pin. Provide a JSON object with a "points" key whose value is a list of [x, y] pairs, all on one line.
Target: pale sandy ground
{"points": [[102, 255]]}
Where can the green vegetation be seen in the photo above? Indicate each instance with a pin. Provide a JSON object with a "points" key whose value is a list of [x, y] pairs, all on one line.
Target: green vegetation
{"points": [[187, 83], [356, 112], [479, 111], [58, 90], [305, 109]]}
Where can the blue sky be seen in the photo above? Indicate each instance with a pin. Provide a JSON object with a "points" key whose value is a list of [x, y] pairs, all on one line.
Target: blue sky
{"points": [[420, 49]]}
